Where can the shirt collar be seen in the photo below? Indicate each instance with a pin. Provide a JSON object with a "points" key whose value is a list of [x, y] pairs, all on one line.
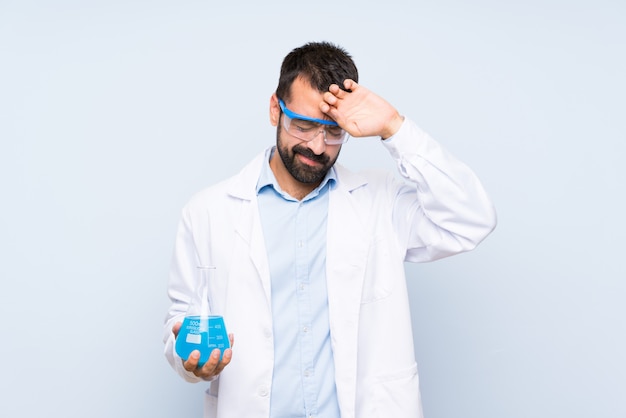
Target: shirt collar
{"points": [[267, 179]]}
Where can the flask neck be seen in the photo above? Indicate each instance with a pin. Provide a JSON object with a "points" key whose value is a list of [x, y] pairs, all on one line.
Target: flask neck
{"points": [[201, 303]]}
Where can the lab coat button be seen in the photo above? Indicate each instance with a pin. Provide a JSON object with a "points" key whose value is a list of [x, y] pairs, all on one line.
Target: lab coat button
{"points": [[263, 391]]}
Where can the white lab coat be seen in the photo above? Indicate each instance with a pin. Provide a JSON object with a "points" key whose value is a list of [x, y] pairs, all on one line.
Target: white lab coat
{"points": [[375, 223]]}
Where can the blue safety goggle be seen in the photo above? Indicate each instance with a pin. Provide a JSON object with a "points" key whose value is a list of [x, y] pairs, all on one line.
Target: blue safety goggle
{"points": [[294, 115]]}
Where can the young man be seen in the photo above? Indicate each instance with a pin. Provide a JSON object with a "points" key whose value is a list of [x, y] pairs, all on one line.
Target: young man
{"points": [[309, 256]]}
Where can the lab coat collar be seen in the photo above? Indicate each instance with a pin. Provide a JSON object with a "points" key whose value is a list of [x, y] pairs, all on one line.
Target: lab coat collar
{"points": [[243, 186]]}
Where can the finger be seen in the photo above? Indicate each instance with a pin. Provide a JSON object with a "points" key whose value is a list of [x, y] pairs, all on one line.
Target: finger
{"points": [[226, 358], [208, 370], [350, 85], [330, 99], [334, 89], [337, 91], [325, 107], [191, 364], [176, 328], [328, 109], [333, 113], [231, 338]]}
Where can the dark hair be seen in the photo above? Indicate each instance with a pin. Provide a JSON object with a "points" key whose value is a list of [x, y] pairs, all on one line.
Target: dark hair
{"points": [[320, 63]]}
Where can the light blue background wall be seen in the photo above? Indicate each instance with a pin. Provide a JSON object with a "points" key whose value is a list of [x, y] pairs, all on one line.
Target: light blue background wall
{"points": [[112, 113]]}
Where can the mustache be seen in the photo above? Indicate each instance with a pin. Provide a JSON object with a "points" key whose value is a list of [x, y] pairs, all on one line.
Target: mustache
{"points": [[306, 152]]}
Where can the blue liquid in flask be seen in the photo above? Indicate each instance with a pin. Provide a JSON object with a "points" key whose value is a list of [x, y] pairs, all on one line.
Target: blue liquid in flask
{"points": [[204, 334]]}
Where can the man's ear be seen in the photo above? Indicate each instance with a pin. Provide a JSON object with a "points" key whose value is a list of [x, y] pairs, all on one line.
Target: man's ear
{"points": [[274, 110]]}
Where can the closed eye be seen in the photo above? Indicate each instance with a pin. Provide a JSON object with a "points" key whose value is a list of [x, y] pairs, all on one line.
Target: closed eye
{"points": [[304, 126]]}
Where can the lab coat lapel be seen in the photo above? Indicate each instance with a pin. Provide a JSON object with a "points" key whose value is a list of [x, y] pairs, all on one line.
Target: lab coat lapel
{"points": [[249, 229], [348, 241], [248, 223]]}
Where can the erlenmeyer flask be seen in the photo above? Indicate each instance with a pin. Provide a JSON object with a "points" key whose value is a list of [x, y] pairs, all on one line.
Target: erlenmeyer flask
{"points": [[202, 329]]}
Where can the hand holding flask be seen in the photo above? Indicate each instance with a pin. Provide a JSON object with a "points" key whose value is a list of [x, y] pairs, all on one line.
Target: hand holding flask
{"points": [[202, 329]]}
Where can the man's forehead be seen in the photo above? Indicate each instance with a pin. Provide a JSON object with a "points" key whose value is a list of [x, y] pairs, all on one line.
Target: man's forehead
{"points": [[305, 99]]}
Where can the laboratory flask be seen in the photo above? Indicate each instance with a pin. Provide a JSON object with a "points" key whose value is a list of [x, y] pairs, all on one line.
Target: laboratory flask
{"points": [[202, 329]]}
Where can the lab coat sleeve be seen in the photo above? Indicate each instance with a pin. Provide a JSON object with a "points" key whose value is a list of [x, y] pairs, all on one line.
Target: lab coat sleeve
{"points": [[181, 283], [443, 208]]}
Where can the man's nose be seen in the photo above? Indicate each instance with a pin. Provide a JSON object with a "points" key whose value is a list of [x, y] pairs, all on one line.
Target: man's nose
{"points": [[318, 143]]}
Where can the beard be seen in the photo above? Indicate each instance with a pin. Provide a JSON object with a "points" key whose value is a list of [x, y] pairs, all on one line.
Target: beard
{"points": [[302, 172]]}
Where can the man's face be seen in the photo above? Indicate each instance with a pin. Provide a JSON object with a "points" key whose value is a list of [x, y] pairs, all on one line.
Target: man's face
{"points": [[307, 162], [301, 162]]}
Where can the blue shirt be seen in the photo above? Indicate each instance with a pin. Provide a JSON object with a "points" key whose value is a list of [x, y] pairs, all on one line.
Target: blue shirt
{"points": [[303, 383]]}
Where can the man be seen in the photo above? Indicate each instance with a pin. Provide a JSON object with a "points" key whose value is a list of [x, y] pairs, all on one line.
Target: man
{"points": [[309, 256]]}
